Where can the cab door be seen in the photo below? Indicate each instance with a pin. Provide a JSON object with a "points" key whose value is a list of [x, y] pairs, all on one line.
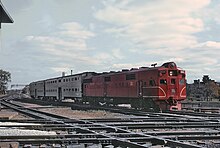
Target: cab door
{"points": [[140, 88]]}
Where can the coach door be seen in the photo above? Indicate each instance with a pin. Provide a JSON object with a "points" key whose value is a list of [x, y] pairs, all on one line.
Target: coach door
{"points": [[59, 93], [35, 93]]}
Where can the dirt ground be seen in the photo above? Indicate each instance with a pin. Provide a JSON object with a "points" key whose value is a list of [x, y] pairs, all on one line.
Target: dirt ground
{"points": [[68, 112], [78, 114]]}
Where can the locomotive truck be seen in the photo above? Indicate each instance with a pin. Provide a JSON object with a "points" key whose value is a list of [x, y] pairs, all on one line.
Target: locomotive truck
{"points": [[150, 88]]}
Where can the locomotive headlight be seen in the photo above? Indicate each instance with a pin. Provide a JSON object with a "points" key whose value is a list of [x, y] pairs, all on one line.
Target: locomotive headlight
{"points": [[171, 73]]}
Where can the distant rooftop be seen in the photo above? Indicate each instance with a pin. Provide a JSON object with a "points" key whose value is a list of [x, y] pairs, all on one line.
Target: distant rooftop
{"points": [[4, 16]]}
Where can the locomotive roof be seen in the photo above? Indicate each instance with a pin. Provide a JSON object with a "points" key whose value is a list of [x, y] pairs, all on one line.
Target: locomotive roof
{"points": [[163, 66], [133, 70]]}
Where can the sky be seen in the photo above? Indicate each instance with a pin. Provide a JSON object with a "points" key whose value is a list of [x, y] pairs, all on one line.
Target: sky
{"points": [[49, 37]]}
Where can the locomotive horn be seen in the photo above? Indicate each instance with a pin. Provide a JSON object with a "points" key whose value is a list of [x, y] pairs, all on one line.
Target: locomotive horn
{"points": [[154, 64]]}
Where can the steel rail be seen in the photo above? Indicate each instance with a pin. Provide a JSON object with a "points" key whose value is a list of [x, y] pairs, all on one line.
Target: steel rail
{"points": [[87, 137], [116, 141], [129, 111]]}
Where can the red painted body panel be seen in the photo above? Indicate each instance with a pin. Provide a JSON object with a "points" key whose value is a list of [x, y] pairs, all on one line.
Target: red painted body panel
{"points": [[165, 83]]}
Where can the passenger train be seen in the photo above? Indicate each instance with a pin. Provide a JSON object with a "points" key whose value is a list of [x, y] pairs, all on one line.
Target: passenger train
{"points": [[150, 88]]}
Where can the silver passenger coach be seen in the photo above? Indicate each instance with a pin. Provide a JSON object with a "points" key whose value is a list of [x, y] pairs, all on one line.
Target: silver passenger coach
{"points": [[60, 88]]}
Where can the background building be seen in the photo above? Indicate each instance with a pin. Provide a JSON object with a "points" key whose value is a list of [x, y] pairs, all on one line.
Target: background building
{"points": [[205, 90]]}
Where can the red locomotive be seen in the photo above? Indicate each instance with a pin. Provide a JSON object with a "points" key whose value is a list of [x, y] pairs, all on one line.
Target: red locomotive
{"points": [[155, 88]]}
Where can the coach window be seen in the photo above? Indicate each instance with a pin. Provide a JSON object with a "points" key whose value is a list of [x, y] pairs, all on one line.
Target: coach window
{"points": [[163, 81], [75, 78]]}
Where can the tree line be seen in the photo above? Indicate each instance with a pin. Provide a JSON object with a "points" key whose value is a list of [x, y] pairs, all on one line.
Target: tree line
{"points": [[5, 77]]}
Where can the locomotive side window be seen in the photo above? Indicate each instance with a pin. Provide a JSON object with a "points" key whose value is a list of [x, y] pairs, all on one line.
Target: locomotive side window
{"points": [[163, 81], [173, 81], [152, 83], [182, 82], [107, 79], [162, 72], [130, 77]]}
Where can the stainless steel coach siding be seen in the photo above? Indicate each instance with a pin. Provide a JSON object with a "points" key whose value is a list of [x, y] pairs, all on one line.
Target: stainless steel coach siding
{"points": [[59, 88], [64, 87], [37, 89]]}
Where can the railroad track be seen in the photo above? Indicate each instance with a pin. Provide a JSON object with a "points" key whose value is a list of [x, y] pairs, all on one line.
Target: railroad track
{"points": [[129, 111], [147, 130]]}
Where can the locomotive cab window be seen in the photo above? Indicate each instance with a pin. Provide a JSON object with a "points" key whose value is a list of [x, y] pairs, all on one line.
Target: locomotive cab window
{"points": [[162, 72], [182, 72], [163, 81], [172, 73]]}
